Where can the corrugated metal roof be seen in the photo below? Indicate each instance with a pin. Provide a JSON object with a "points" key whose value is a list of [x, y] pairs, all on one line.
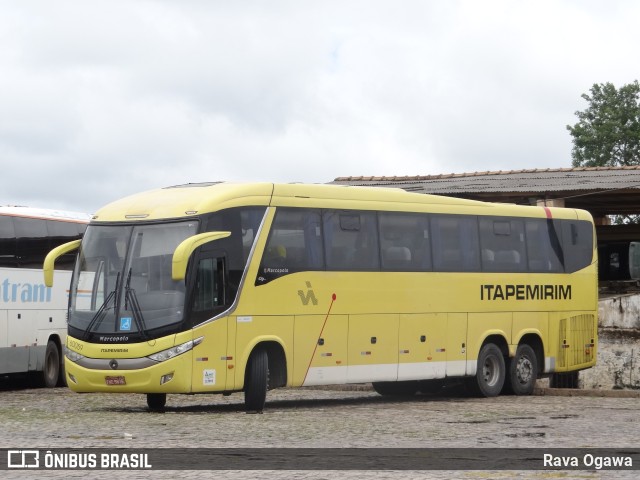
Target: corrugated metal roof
{"points": [[516, 181]]}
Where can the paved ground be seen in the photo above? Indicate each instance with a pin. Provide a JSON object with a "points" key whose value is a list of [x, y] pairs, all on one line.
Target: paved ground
{"points": [[41, 418]]}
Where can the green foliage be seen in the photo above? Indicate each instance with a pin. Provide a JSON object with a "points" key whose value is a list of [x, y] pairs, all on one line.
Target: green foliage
{"points": [[624, 219], [608, 131]]}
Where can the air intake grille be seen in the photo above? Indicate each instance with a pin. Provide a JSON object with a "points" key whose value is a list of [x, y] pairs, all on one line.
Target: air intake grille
{"points": [[576, 337]]}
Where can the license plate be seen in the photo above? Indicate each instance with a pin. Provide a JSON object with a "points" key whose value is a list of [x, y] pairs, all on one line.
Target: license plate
{"points": [[119, 380]]}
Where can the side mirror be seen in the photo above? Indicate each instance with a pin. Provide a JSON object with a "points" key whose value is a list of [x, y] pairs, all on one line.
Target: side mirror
{"points": [[183, 251], [52, 256]]}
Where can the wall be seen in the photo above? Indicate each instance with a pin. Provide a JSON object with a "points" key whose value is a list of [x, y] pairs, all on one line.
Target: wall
{"points": [[618, 362]]}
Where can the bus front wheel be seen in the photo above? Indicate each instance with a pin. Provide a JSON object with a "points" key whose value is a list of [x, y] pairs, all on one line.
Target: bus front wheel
{"points": [[256, 381], [51, 370], [156, 401], [490, 372]]}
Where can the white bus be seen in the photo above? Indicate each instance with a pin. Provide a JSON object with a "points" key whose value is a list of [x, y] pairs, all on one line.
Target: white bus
{"points": [[33, 320]]}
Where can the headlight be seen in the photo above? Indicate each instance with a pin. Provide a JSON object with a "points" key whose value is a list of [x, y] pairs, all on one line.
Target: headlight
{"points": [[73, 356], [175, 351]]}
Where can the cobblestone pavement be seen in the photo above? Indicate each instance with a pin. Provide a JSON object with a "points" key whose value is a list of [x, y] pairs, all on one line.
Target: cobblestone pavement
{"points": [[59, 418]]}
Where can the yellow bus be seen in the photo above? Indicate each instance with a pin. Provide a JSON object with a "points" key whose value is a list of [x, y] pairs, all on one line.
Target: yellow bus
{"points": [[221, 288]]}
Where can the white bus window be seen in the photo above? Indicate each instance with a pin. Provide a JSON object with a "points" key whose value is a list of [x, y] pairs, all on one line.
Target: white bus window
{"points": [[63, 232], [32, 241], [7, 242]]}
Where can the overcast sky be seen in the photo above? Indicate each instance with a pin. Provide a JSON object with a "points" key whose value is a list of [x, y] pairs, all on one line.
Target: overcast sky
{"points": [[102, 99]]}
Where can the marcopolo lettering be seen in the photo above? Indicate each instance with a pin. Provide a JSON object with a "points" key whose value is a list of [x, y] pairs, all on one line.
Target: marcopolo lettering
{"points": [[114, 339], [525, 292]]}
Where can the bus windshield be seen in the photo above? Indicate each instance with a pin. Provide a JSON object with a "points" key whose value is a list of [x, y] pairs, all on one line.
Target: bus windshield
{"points": [[122, 283]]}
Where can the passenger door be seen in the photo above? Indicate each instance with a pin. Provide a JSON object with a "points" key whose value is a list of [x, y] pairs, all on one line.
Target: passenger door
{"points": [[207, 300]]}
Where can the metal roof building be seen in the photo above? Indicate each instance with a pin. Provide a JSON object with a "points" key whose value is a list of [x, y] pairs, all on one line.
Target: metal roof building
{"points": [[600, 190]]}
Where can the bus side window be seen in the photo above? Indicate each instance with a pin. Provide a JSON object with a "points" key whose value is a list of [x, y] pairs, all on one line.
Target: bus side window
{"points": [[7, 242], [294, 244], [502, 243], [455, 243], [578, 244], [404, 241], [351, 240], [32, 241], [542, 255], [208, 291], [62, 232]]}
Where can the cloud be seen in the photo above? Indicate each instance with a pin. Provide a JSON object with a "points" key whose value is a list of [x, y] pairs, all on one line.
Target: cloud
{"points": [[103, 99]]}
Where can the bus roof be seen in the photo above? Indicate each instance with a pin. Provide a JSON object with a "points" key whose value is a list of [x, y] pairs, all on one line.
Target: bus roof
{"points": [[191, 199], [44, 214]]}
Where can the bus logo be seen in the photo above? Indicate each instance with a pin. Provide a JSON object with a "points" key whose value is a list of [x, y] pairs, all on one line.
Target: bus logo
{"points": [[309, 296], [23, 459]]}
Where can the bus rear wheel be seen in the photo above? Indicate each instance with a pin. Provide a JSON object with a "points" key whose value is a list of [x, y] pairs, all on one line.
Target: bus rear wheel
{"points": [[51, 370], [523, 371], [156, 401], [256, 381], [490, 372]]}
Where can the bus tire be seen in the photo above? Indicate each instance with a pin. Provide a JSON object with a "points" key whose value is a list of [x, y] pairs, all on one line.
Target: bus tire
{"points": [[256, 381], [62, 378], [398, 389], [490, 372], [156, 401], [523, 371], [51, 368]]}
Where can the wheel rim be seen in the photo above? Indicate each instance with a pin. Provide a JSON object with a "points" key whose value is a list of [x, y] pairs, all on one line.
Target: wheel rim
{"points": [[490, 371], [524, 370]]}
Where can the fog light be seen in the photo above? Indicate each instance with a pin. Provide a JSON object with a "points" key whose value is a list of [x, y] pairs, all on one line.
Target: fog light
{"points": [[72, 378], [166, 378]]}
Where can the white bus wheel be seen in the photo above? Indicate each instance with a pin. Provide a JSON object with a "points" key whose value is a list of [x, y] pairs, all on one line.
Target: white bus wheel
{"points": [[51, 369]]}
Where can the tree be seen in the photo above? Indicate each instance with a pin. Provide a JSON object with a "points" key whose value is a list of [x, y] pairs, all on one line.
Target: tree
{"points": [[608, 131]]}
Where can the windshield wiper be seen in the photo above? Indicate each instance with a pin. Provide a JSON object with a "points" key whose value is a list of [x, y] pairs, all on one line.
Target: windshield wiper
{"points": [[102, 311], [131, 298]]}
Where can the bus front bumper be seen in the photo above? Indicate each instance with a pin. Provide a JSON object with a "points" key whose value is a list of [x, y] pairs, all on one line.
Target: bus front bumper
{"points": [[170, 376]]}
